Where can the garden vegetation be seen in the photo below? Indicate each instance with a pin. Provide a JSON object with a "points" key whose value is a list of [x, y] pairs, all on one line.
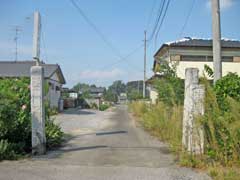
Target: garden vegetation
{"points": [[15, 120], [221, 122]]}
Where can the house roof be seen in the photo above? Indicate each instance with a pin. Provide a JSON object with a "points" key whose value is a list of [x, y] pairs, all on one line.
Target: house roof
{"points": [[96, 90], [22, 69], [157, 75], [191, 42]]}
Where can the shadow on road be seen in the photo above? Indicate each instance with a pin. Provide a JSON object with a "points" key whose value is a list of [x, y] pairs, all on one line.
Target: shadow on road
{"points": [[69, 138], [110, 133], [77, 111]]}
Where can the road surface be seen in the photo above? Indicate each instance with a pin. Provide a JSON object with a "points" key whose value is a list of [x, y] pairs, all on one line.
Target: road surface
{"points": [[103, 145]]}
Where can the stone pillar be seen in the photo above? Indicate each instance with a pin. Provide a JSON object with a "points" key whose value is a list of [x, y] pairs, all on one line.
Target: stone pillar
{"points": [[37, 111], [191, 77], [192, 138]]}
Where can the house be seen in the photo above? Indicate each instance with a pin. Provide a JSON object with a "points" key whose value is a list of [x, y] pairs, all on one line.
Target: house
{"points": [[153, 95], [52, 72], [96, 92], [196, 53], [95, 96], [122, 98]]}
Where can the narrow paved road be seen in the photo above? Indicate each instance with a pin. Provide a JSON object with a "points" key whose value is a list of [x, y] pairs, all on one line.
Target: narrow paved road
{"points": [[102, 145]]}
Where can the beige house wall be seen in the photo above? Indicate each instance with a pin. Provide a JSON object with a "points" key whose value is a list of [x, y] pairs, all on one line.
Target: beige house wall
{"points": [[173, 56], [153, 95], [54, 93], [226, 67]]}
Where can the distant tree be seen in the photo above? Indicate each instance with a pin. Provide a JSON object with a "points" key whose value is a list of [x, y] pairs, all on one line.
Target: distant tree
{"points": [[110, 96], [136, 85], [134, 94], [117, 87], [81, 87]]}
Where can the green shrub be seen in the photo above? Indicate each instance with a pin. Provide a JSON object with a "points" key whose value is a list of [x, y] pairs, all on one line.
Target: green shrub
{"points": [[170, 88], [221, 128], [227, 86], [93, 106], [103, 107], [6, 150], [54, 135], [15, 119]]}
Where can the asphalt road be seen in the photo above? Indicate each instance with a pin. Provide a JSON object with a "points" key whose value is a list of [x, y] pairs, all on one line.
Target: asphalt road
{"points": [[103, 145]]}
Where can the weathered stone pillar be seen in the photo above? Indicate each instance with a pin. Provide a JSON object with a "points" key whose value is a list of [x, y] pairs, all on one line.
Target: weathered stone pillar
{"points": [[192, 138], [37, 111], [195, 134]]}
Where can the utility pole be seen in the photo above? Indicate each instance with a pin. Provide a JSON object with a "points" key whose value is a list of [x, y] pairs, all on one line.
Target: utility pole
{"points": [[17, 29], [216, 31], [36, 37], [145, 59]]}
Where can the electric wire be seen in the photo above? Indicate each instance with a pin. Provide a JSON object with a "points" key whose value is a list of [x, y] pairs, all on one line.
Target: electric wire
{"points": [[187, 18]]}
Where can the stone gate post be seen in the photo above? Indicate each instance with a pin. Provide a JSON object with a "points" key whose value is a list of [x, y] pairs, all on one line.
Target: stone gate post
{"points": [[37, 110], [192, 138]]}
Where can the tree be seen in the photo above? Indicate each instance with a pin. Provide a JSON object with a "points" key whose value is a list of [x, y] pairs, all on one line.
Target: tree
{"points": [[110, 96], [134, 94], [117, 87]]}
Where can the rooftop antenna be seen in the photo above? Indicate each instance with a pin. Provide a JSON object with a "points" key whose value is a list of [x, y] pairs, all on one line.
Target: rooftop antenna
{"points": [[17, 29]]}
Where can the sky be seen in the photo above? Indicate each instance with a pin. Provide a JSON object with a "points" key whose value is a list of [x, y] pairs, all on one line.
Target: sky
{"points": [[68, 40]]}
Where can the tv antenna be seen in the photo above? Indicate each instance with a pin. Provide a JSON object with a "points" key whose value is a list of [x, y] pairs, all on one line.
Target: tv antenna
{"points": [[17, 29]]}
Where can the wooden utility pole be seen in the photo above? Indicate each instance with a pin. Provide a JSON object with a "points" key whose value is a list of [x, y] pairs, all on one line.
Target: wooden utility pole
{"points": [[36, 37], [216, 31], [145, 59]]}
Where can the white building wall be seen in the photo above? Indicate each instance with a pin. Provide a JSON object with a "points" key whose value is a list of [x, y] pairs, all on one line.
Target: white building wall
{"points": [[153, 95], [226, 67], [54, 93], [182, 65]]}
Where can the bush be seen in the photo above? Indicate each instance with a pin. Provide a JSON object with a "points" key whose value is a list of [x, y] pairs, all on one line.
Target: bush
{"points": [[15, 119], [103, 107], [221, 128], [170, 88], [54, 135], [228, 86], [6, 150]]}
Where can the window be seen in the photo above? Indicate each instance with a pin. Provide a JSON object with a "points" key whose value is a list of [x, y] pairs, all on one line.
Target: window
{"points": [[204, 58]]}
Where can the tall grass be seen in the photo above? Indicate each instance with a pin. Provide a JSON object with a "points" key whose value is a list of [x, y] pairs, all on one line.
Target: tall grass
{"points": [[221, 129], [164, 122], [221, 133]]}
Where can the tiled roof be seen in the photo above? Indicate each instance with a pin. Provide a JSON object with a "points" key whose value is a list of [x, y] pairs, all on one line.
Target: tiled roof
{"points": [[22, 69], [194, 42], [227, 43]]}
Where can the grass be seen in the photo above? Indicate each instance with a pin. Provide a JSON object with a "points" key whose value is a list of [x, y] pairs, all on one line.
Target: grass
{"points": [[221, 160], [160, 121]]}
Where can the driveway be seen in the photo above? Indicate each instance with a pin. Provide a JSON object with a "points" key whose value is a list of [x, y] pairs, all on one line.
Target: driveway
{"points": [[101, 145]]}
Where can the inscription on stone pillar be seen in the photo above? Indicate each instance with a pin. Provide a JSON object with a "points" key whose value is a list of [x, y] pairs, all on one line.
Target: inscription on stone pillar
{"points": [[37, 111]]}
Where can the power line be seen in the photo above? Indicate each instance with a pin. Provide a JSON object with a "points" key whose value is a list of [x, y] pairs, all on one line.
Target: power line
{"points": [[124, 59], [187, 18], [160, 10], [164, 15], [102, 36], [151, 14], [96, 29]]}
